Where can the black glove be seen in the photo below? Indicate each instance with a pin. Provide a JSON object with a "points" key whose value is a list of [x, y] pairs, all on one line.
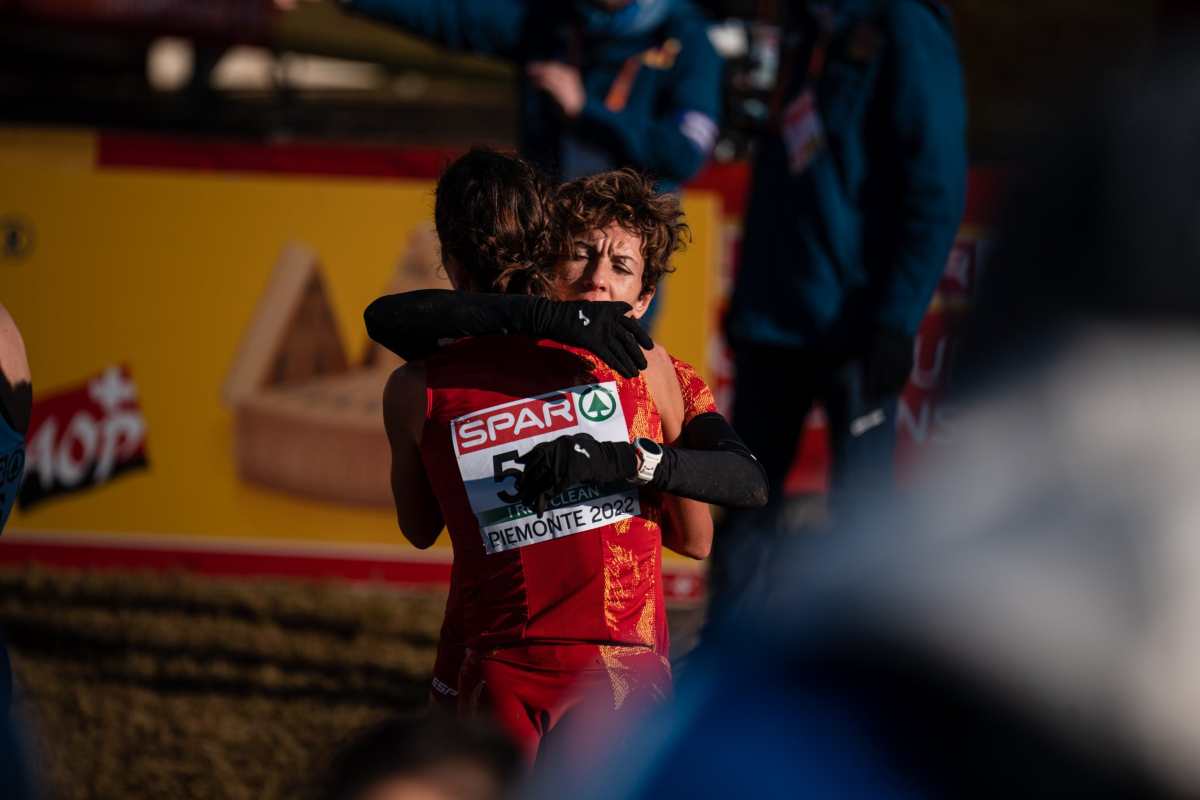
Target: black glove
{"points": [[414, 324], [888, 361], [553, 467], [598, 326]]}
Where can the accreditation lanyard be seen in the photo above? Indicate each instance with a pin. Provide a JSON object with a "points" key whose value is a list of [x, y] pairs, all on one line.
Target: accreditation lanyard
{"points": [[619, 90], [824, 17]]}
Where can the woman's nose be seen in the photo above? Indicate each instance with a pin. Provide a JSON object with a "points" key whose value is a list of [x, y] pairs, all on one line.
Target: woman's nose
{"points": [[596, 278]]}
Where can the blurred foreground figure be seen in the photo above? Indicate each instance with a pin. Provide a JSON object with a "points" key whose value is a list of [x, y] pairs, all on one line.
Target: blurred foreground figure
{"points": [[1027, 624], [423, 759], [16, 405]]}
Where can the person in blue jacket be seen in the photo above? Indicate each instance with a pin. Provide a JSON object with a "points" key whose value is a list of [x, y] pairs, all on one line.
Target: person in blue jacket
{"points": [[604, 84], [857, 191]]}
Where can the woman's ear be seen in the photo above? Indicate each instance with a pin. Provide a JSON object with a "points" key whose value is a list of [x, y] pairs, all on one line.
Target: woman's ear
{"points": [[642, 303]]}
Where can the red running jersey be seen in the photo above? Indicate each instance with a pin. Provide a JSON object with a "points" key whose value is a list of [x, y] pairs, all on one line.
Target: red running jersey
{"points": [[697, 397], [589, 570]]}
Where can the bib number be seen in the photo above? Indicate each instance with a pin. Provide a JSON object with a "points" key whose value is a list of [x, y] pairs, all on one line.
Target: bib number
{"points": [[487, 444]]}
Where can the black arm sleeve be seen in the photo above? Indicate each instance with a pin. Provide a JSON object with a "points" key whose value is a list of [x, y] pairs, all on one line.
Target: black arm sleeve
{"points": [[414, 324], [712, 465]]}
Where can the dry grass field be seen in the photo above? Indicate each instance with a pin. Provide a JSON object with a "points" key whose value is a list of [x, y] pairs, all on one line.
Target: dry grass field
{"points": [[156, 685]]}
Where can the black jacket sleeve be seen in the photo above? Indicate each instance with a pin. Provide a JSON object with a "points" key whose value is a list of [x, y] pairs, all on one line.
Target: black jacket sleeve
{"points": [[415, 324], [713, 465]]}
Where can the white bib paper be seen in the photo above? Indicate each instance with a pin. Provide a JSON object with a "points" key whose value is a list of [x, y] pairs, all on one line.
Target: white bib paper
{"points": [[488, 442]]}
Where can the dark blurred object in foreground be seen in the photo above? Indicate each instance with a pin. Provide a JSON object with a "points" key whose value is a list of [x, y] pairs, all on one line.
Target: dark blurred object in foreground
{"points": [[434, 758], [1102, 228], [1027, 622]]}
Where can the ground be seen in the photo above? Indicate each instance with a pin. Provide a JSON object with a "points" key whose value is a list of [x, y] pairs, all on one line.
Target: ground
{"points": [[176, 685]]}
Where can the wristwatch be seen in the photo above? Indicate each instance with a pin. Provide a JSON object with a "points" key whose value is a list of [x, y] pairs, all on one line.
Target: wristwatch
{"points": [[649, 453]]}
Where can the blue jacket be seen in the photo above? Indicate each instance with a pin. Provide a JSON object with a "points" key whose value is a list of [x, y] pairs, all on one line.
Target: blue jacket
{"points": [[859, 239], [666, 126]]}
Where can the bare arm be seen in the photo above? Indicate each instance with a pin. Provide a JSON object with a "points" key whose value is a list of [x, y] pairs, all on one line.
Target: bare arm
{"points": [[417, 510], [16, 394], [689, 526]]}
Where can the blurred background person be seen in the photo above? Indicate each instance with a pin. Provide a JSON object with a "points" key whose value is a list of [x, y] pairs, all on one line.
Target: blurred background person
{"points": [[438, 758], [1028, 627], [857, 191], [602, 84]]}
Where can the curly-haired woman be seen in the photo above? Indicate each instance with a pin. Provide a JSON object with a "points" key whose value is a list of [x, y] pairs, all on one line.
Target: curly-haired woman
{"points": [[558, 585]]}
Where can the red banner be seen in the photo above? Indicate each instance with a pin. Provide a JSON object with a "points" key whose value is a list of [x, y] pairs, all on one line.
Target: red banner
{"points": [[83, 436]]}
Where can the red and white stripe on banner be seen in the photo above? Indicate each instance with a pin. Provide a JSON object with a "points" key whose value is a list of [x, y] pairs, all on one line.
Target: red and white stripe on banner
{"points": [[399, 565]]}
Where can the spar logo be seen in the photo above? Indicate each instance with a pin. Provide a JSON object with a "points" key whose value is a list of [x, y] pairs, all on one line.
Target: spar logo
{"points": [[597, 404], [83, 436], [515, 421]]}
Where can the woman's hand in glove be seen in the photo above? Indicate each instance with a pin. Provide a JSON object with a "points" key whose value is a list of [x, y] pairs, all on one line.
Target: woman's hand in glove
{"points": [[599, 326], [553, 467]]}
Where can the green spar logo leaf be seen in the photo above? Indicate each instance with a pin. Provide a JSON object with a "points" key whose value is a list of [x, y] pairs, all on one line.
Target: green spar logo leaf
{"points": [[597, 404]]}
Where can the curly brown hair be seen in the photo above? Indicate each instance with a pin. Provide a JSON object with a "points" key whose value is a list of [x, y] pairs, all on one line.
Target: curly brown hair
{"points": [[628, 198], [493, 217]]}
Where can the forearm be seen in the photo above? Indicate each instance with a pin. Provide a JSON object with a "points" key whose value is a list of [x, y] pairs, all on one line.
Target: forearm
{"points": [[932, 195], [722, 478], [917, 267], [712, 465], [721, 470], [926, 120], [420, 526], [688, 527], [415, 324]]}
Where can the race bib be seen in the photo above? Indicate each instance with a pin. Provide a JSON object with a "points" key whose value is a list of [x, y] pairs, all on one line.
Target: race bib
{"points": [[803, 134], [488, 442]]}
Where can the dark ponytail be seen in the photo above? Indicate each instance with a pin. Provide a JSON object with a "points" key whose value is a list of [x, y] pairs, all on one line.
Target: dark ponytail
{"points": [[492, 216]]}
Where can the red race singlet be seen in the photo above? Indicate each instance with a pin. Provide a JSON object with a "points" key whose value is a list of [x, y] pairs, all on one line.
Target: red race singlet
{"points": [[587, 571]]}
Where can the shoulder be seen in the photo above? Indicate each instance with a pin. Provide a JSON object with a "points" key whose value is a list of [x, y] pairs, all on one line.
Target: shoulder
{"points": [[14, 363], [683, 369], [660, 357], [659, 369], [697, 396], [404, 395], [660, 364], [916, 20]]}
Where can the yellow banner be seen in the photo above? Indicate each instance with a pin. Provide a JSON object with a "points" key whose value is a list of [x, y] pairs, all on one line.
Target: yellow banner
{"points": [[205, 287]]}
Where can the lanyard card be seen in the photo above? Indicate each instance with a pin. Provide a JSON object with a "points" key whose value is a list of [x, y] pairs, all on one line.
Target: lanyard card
{"points": [[803, 133]]}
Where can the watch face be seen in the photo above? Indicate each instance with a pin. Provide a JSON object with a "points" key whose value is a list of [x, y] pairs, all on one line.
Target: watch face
{"points": [[650, 446]]}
